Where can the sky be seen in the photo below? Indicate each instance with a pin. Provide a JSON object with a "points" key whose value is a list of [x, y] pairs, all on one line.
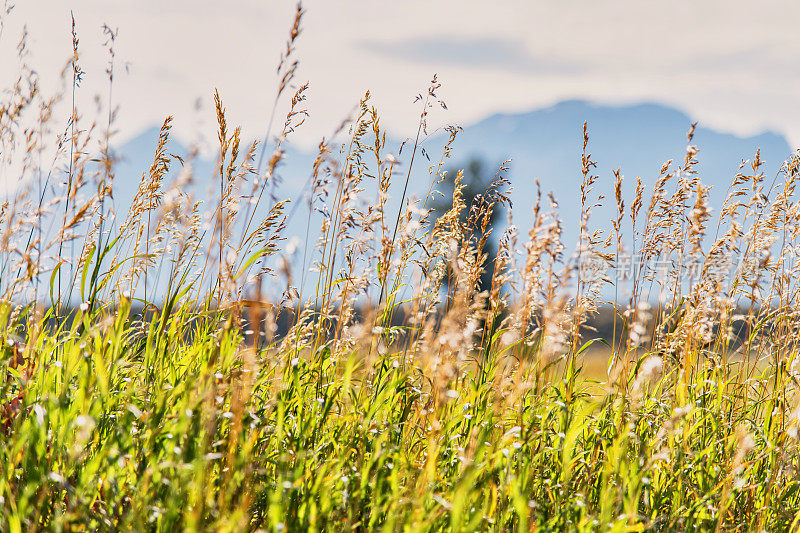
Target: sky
{"points": [[729, 64]]}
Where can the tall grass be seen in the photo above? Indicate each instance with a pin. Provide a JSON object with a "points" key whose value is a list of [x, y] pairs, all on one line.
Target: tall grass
{"points": [[390, 398]]}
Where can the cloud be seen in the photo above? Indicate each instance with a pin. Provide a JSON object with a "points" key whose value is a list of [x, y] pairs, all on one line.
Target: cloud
{"points": [[764, 60], [473, 52]]}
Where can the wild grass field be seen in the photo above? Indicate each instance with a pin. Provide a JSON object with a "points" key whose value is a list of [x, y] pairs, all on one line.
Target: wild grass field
{"points": [[394, 391]]}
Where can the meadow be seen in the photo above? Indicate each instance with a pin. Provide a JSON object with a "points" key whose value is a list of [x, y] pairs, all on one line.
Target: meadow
{"points": [[152, 378]]}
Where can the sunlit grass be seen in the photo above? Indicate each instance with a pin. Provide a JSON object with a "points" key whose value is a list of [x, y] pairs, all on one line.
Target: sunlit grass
{"points": [[152, 381]]}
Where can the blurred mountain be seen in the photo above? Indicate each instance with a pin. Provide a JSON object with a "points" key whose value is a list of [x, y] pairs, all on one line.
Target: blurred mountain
{"points": [[544, 144]]}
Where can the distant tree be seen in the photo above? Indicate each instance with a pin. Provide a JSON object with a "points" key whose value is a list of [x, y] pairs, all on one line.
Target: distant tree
{"points": [[477, 182]]}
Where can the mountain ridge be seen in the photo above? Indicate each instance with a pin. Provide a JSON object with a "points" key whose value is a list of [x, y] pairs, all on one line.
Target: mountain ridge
{"points": [[543, 144]]}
